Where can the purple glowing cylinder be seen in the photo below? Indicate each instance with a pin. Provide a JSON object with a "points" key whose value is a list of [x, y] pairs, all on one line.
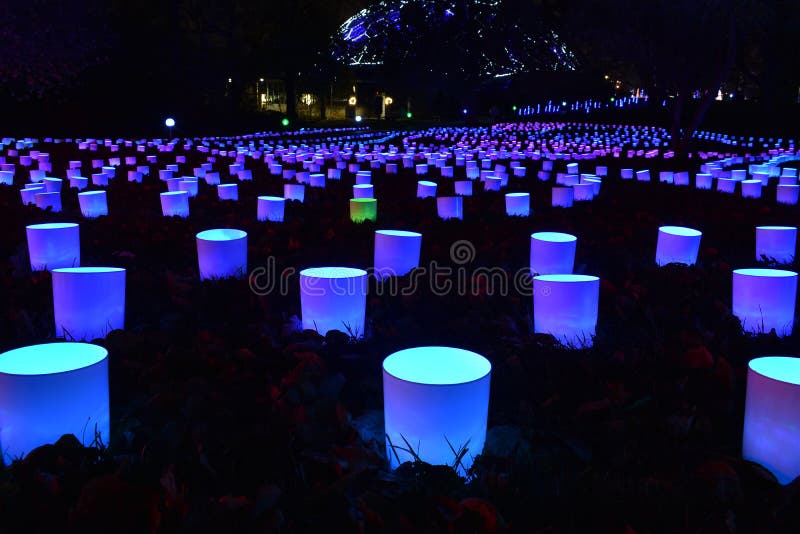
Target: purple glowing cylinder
{"points": [[771, 416], [334, 298], [643, 176], [776, 243], [48, 200], [396, 252], [552, 253], [294, 192], [450, 207], [563, 197], [751, 188], [583, 192], [50, 390], [681, 178], [764, 300], [726, 185], [271, 208], [363, 191], [703, 181], [93, 204], [788, 194], [88, 302], [435, 399], [518, 204], [54, 245], [175, 204], [222, 253], [463, 188], [426, 189], [626, 174], [677, 244], [565, 306], [228, 191], [422, 169]]}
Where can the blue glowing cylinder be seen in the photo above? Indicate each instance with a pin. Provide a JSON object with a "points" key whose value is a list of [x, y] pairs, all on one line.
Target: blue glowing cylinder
{"points": [[450, 207], [771, 417], [396, 252], [764, 299], [334, 298], [228, 191], [426, 189], [677, 244], [552, 253], [565, 306], [222, 253], [48, 200], [271, 208], [88, 302], [518, 204], [363, 191], [436, 401], [787, 194], [776, 243], [54, 245], [93, 204], [563, 197], [463, 188], [294, 192], [175, 204], [50, 390]]}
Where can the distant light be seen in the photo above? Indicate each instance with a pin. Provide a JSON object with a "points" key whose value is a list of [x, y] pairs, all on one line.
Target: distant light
{"points": [[261, 79], [170, 122], [352, 101], [514, 108], [388, 100], [464, 111], [564, 103], [230, 80], [285, 121], [358, 118], [408, 115], [612, 98], [606, 76]]}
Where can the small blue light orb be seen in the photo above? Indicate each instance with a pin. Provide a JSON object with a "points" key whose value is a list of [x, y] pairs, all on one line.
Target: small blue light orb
{"points": [[464, 111], [358, 118], [170, 122]]}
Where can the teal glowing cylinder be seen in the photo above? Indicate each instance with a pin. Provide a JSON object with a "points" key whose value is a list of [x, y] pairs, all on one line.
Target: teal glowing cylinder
{"points": [[518, 204], [563, 197], [93, 204], [54, 245], [175, 204], [787, 194], [436, 401], [776, 243], [463, 188], [565, 306], [552, 253], [677, 244], [450, 207], [363, 191], [363, 209], [764, 300], [271, 208], [50, 390], [48, 200], [334, 298], [771, 417], [426, 189], [396, 252], [88, 302], [228, 191], [294, 192], [222, 253]]}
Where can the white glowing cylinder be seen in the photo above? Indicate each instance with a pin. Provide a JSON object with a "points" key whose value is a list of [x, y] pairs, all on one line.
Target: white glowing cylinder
{"points": [[396, 252], [788, 194], [463, 188], [50, 390], [764, 299], [776, 243], [54, 245], [48, 200], [703, 181], [175, 204], [450, 207], [677, 244], [565, 306], [88, 302], [426, 189], [436, 401], [334, 298], [294, 192], [518, 204], [552, 253], [271, 208], [771, 418], [222, 253], [93, 204], [563, 197], [363, 191]]}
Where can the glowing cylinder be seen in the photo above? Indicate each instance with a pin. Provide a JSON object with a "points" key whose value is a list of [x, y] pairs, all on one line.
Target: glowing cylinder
{"points": [[88, 302], [317, 180], [271, 208], [518, 204], [463, 188], [294, 192], [787, 194], [582, 192], [363, 209], [426, 189], [681, 178], [764, 299], [450, 207], [422, 169], [703, 181], [565, 306], [175, 204], [48, 200], [626, 174], [435, 401], [552, 253], [677, 244], [396, 252], [222, 253], [228, 191], [93, 204], [334, 298], [771, 418], [7, 177], [563, 197], [726, 185], [363, 177], [173, 184], [776, 243], [643, 176], [751, 188], [363, 191], [190, 186], [54, 245], [52, 185], [50, 390]]}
